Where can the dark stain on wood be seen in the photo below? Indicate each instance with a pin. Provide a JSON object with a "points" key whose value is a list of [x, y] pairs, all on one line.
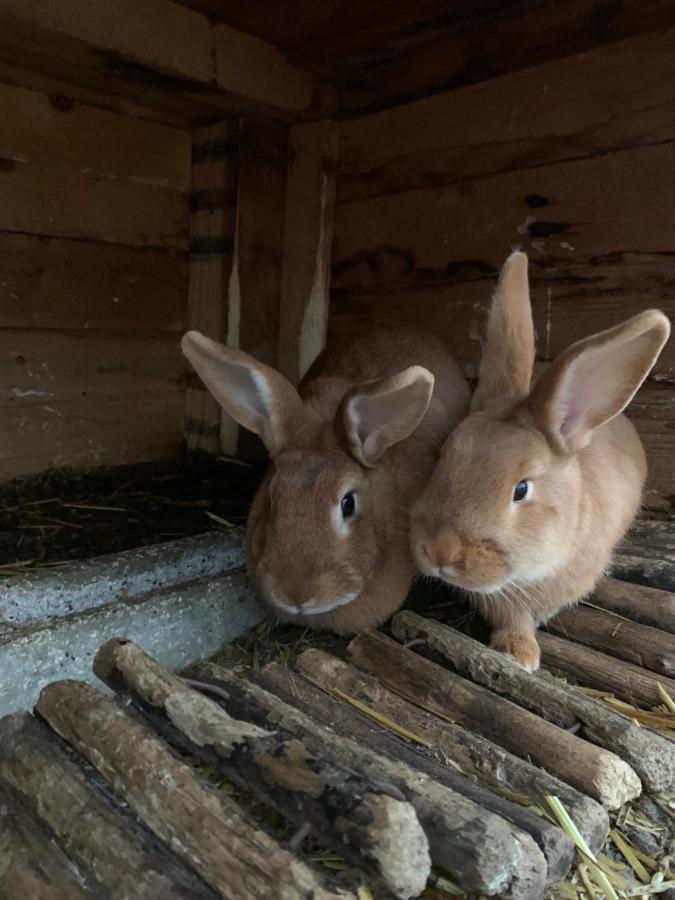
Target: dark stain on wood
{"points": [[535, 201], [546, 229], [61, 102], [7, 165]]}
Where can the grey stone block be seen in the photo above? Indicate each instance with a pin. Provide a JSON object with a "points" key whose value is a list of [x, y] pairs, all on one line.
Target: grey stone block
{"points": [[49, 593], [177, 625]]}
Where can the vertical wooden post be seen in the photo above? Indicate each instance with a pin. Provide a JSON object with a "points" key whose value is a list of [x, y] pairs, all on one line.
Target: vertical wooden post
{"points": [[308, 234], [255, 287], [212, 222]]}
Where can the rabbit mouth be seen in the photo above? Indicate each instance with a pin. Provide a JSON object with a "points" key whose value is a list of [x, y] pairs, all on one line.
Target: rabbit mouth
{"points": [[280, 602]]}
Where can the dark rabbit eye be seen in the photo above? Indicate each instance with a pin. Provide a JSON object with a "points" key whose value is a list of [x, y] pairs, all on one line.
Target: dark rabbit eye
{"points": [[521, 491], [348, 504]]}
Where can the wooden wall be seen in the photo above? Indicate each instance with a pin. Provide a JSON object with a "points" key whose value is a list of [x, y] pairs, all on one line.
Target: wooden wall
{"points": [[573, 161], [93, 284]]}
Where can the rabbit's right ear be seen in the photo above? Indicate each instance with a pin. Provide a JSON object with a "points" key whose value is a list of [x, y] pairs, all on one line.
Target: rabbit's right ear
{"points": [[508, 354], [254, 395]]}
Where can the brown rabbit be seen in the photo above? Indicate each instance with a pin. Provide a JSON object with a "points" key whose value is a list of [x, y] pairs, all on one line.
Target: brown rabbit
{"points": [[327, 534], [535, 488]]}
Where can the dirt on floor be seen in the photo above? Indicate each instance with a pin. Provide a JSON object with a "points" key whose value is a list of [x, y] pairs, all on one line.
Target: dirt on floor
{"points": [[64, 515]]}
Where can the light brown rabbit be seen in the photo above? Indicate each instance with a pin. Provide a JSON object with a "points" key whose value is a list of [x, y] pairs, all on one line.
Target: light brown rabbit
{"points": [[327, 534], [537, 485]]}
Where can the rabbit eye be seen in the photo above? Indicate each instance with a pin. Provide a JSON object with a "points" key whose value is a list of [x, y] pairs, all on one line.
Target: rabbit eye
{"points": [[522, 491], [348, 505]]}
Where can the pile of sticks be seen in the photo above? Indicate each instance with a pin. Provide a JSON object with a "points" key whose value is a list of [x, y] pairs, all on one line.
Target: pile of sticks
{"points": [[100, 794]]}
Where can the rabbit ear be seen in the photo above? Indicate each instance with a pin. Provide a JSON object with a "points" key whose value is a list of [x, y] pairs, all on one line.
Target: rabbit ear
{"points": [[378, 414], [254, 395], [508, 355], [595, 379]]}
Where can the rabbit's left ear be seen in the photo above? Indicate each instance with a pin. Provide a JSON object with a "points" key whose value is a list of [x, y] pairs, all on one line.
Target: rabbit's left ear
{"points": [[378, 414], [595, 379]]}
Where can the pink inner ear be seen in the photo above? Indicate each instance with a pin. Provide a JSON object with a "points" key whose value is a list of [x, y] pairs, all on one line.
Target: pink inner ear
{"points": [[588, 390]]}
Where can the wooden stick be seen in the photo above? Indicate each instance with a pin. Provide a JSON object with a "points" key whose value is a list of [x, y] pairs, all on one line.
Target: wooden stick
{"points": [[32, 866], [365, 824], [125, 860], [646, 605], [483, 851], [597, 670], [649, 754], [592, 771], [638, 644], [205, 828], [650, 571], [330, 673], [507, 775]]}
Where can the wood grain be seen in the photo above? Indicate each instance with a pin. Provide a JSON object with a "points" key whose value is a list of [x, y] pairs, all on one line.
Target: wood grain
{"points": [[205, 828], [61, 133], [308, 235], [83, 399], [60, 283], [484, 852], [38, 199], [256, 291], [212, 225], [591, 770], [108, 844]]}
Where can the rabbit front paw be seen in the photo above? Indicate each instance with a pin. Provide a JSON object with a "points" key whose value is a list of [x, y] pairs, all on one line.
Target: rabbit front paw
{"points": [[520, 646]]}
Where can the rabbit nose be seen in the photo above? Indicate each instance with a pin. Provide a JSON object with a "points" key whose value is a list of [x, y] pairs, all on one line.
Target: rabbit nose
{"points": [[445, 549]]}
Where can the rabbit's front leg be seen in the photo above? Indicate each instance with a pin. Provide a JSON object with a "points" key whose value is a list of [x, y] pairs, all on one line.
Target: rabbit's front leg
{"points": [[513, 633]]}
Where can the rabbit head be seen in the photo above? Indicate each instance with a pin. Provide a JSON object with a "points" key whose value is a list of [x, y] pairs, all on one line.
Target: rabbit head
{"points": [[329, 505]]}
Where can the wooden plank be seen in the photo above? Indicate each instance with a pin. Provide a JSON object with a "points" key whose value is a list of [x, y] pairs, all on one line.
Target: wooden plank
{"points": [[478, 44], [649, 754], [642, 645], [256, 290], [482, 850], [589, 769], [254, 69], [86, 400], [55, 132], [106, 843], [205, 828], [590, 668], [173, 112], [308, 235], [31, 865], [162, 39], [60, 283], [458, 748], [375, 831], [37, 199], [649, 606], [531, 173], [617, 96], [212, 225], [330, 673]]}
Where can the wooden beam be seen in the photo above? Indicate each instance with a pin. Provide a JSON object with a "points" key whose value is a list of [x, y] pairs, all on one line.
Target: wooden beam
{"points": [[646, 605], [484, 851], [329, 673], [591, 770], [366, 825], [123, 859], [308, 235], [215, 150], [588, 667], [32, 865], [650, 755], [255, 288], [641, 645], [156, 43], [459, 748], [205, 828]]}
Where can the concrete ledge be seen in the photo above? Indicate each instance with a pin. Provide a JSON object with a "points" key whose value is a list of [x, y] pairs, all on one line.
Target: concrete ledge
{"points": [[48, 593], [177, 625]]}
